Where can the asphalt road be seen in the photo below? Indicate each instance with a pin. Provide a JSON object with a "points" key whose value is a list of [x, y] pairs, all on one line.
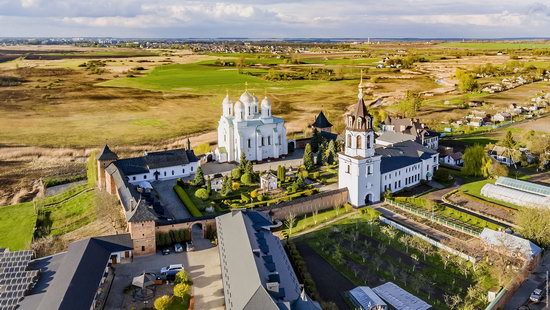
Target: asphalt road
{"points": [[537, 279]]}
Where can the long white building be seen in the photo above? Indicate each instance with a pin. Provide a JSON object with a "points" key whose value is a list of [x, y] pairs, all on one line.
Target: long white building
{"points": [[245, 129], [368, 169]]}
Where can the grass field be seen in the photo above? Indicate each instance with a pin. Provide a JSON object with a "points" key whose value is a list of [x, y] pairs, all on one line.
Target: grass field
{"points": [[17, 226], [201, 77], [497, 45], [67, 211], [474, 189]]}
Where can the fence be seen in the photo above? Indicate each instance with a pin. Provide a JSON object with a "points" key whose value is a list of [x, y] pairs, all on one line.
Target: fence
{"points": [[427, 239], [436, 218]]}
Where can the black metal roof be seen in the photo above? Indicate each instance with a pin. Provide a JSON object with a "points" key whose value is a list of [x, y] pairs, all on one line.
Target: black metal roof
{"points": [[321, 121], [155, 160], [75, 283], [107, 154], [402, 154]]}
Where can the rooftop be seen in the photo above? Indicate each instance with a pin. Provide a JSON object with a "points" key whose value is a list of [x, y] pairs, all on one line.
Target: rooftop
{"points": [[75, 285], [399, 298], [402, 154], [510, 242], [321, 121], [254, 264]]}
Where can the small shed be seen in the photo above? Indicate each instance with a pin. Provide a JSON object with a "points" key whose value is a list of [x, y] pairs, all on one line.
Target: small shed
{"points": [[399, 298], [268, 182]]}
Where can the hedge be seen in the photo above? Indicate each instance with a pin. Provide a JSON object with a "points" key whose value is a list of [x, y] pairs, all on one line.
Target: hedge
{"points": [[191, 207]]}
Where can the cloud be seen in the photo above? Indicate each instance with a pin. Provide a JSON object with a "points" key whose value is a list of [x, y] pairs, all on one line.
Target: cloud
{"points": [[275, 18]]}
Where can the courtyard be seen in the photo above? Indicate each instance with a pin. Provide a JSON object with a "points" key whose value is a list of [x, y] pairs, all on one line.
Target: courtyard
{"points": [[202, 266]]}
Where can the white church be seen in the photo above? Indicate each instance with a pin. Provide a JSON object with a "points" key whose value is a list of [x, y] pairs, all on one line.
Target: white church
{"points": [[245, 129], [368, 169]]}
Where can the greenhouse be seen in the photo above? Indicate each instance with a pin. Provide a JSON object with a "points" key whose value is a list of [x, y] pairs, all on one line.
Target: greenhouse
{"points": [[515, 196], [524, 186]]}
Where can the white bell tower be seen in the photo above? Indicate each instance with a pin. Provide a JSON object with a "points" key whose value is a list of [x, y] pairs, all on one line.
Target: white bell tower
{"points": [[359, 166]]}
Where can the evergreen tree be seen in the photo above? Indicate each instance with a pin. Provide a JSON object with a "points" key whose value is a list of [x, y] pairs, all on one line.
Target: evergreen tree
{"points": [[243, 163], [320, 155], [330, 153], [300, 182], [281, 173], [226, 186], [199, 177], [209, 186], [508, 140], [315, 140], [249, 168], [308, 158]]}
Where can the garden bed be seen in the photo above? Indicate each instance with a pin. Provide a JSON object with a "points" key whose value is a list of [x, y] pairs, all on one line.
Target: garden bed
{"points": [[367, 254], [483, 207]]}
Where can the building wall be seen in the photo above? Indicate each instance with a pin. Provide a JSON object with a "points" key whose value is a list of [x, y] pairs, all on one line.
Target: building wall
{"points": [[361, 177], [205, 223], [180, 171], [143, 235], [306, 205], [397, 180], [101, 173]]}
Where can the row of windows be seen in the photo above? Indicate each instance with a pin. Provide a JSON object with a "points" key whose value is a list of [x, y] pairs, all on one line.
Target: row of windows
{"points": [[173, 173], [249, 141]]}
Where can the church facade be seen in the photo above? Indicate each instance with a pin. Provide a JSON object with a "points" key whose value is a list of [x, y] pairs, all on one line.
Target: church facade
{"points": [[248, 127], [368, 169]]}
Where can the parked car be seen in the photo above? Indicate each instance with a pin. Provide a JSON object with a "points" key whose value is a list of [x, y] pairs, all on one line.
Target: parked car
{"points": [[190, 247], [171, 269], [536, 296], [178, 248], [165, 251]]}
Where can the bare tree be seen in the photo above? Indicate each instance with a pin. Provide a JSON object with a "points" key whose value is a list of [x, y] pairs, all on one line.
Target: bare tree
{"points": [[377, 261], [403, 276], [406, 240], [452, 301], [382, 249], [337, 209], [314, 215], [390, 233], [393, 270], [290, 220]]}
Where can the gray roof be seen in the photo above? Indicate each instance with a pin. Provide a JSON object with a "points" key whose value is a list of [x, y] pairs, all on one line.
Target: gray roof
{"points": [[395, 137], [366, 297], [399, 298], [155, 160], [75, 284], [252, 257], [510, 242], [107, 154], [321, 121], [136, 209], [402, 154]]}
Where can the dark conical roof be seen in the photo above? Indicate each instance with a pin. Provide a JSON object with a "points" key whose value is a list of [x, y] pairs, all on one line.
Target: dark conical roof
{"points": [[107, 154], [321, 121], [361, 109]]}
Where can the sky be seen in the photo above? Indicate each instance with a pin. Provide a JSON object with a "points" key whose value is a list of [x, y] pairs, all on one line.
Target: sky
{"points": [[275, 18]]}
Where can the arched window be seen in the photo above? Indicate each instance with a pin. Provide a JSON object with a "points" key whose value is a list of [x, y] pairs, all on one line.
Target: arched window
{"points": [[359, 123], [368, 141], [349, 141], [358, 142], [350, 121]]}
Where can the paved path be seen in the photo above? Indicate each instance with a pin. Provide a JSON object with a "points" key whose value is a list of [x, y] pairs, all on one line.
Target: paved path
{"points": [[54, 190], [203, 267], [169, 200], [293, 160], [536, 280]]}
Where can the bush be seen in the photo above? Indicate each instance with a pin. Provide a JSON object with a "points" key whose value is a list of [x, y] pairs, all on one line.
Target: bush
{"points": [[261, 198], [244, 199], [254, 194], [246, 179], [236, 174], [441, 175], [162, 302], [235, 186], [186, 200], [202, 194]]}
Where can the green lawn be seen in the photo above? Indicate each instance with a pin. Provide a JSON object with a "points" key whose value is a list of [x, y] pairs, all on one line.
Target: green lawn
{"points": [[310, 220], [67, 211], [474, 189], [202, 77], [17, 226]]}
